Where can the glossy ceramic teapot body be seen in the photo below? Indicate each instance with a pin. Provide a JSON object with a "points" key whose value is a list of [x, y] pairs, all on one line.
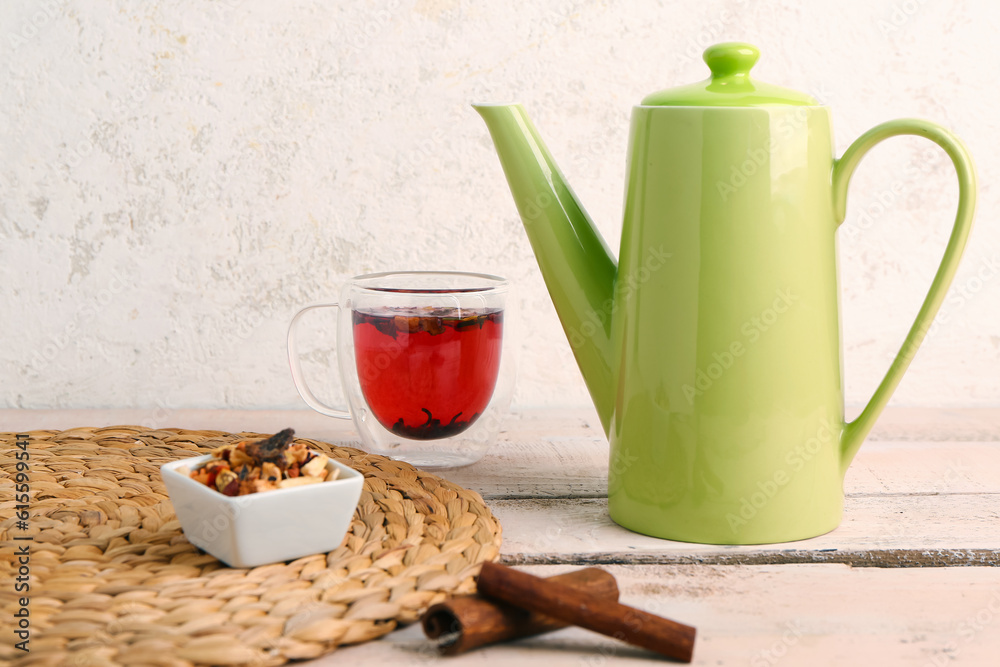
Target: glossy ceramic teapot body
{"points": [[712, 347]]}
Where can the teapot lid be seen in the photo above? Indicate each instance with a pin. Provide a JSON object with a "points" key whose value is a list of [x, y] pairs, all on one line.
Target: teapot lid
{"points": [[730, 84]]}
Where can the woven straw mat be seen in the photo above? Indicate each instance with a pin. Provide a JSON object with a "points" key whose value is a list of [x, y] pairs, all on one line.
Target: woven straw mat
{"points": [[115, 582]]}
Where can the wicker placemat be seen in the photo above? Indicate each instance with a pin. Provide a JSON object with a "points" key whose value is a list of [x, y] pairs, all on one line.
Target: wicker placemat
{"points": [[115, 582]]}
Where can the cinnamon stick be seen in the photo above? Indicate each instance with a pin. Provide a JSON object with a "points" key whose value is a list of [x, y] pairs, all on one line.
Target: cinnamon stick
{"points": [[470, 621], [575, 607]]}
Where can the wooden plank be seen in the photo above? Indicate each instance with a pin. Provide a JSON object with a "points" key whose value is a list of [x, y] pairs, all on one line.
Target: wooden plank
{"points": [[563, 453], [936, 424], [887, 531], [763, 616], [893, 467], [576, 467], [554, 466], [925, 491], [896, 423]]}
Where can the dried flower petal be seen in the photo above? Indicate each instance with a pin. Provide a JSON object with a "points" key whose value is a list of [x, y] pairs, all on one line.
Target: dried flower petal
{"points": [[224, 478], [269, 471], [316, 467], [239, 457], [271, 449], [263, 465]]}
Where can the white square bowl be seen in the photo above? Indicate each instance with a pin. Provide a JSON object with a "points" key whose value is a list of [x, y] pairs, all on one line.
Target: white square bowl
{"points": [[265, 527]]}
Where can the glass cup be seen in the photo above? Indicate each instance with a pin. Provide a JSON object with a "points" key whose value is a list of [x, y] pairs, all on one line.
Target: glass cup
{"points": [[425, 362]]}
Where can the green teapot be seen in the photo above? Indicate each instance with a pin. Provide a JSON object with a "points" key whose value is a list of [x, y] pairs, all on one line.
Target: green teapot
{"points": [[712, 347]]}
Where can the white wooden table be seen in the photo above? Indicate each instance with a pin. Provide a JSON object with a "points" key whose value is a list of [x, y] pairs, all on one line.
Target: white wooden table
{"points": [[910, 578]]}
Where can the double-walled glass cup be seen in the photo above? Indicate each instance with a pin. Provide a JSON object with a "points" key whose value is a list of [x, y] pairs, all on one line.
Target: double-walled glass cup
{"points": [[425, 362]]}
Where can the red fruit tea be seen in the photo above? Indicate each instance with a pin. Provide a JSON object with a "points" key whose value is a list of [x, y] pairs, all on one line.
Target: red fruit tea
{"points": [[427, 373]]}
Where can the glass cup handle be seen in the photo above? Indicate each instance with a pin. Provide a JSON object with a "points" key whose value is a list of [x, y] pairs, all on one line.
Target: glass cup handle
{"points": [[298, 379]]}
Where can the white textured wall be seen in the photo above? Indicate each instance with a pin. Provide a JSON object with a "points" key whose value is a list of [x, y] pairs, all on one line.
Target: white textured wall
{"points": [[177, 177]]}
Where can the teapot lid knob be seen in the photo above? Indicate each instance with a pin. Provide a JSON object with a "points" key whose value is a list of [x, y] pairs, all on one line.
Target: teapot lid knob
{"points": [[731, 58], [730, 84]]}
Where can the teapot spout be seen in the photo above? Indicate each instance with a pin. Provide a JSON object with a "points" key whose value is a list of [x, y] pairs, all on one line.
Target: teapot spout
{"points": [[578, 268]]}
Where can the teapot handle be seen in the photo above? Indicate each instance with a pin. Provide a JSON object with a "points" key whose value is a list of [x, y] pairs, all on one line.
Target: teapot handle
{"points": [[856, 431]]}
